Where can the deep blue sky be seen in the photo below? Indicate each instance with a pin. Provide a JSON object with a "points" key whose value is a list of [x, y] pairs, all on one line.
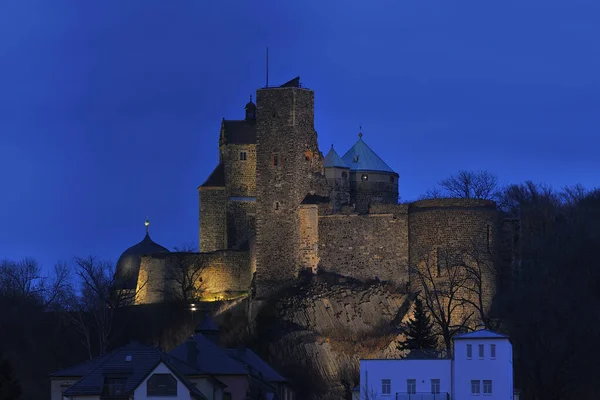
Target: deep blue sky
{"points": [[110, 110]]}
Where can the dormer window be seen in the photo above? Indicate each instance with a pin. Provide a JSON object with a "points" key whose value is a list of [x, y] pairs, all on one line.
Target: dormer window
{"points": [[355, 159], [114, 386]]}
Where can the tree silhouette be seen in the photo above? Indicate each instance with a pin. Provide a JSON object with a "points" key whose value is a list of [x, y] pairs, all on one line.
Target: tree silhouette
{"points": [[419, 333], [9, 386]]}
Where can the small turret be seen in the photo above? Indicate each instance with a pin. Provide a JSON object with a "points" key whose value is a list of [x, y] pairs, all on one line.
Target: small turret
{"points": [[250, 110]]}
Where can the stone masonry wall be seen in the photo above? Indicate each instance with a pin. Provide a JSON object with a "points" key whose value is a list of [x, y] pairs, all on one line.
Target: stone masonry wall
{"points": [[288, 167], [366, 247], [240, 175], [240, 223], [459, 227], [213, 219], [223, 273], [309, 237]]}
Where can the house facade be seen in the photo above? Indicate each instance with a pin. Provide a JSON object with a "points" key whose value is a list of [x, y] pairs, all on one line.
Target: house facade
{"points": [[481, 366], [198, 369]]}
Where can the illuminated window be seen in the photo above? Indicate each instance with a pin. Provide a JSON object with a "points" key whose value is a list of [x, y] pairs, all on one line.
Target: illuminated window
{"points": [[243, 156], [481, 351], [161, 385], [492, 351], [487, 387], [435, 386], [411, 386], [475, 387], [469, 351], [364, 177], [386, 386]]}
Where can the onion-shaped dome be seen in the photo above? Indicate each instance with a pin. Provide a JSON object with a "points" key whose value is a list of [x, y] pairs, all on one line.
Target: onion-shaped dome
{"points": [[128, 265]]}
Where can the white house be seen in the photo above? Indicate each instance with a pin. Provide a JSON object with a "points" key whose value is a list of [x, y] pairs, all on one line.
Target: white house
{"points": [[481, 366]]}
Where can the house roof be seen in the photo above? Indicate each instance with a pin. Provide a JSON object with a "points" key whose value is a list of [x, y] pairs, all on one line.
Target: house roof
{"points": [[207, 325], [82, 368], [240, 131], [333, 160], [210, 357], [143, 360], [481, 334], [252, 360], [216, 178], [360, 157]]}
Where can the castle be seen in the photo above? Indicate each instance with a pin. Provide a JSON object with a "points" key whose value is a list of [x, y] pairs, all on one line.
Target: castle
{"points": [[274, 208]]}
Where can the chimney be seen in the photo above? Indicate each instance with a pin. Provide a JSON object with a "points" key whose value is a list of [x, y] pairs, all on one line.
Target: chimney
{"points": [[192, 351]]}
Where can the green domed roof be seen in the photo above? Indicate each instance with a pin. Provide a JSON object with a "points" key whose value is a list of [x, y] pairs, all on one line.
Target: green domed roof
{"points": [[360, 157]]}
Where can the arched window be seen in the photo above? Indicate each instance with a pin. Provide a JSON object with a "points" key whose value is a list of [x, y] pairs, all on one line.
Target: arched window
{"points": [[161, 385]]}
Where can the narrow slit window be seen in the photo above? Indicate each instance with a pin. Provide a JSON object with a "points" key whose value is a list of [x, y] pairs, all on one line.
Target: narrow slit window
{"points": [[469, 351], [275, 160]]}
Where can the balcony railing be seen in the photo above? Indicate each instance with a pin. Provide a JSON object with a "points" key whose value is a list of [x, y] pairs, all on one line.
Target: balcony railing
{"points": [[422, 396]]}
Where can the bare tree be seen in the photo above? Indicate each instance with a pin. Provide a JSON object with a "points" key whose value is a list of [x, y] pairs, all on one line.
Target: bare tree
{"points": [[24, 279], [94, 309], [349, 376], [440, 278], [470, 185], [184, 275]]}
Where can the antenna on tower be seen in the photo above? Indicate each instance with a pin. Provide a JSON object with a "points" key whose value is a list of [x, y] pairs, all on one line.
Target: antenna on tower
{"points": [[267, 67]]}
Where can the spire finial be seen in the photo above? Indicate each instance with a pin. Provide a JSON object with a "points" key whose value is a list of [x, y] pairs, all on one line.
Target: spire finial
{"points": [[250, 98], [332, 145], [147, 223], [360, 131]]}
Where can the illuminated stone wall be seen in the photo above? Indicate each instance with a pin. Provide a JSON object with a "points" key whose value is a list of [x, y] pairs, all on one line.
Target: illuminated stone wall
{"points": [[366, 247], [213, 218], [458, 225], [240, 175], [224, 274], [309, 237]]}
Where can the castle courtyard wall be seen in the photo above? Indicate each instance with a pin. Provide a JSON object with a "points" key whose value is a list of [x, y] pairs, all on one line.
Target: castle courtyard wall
{"points": [[213, 218], [366, 247]]}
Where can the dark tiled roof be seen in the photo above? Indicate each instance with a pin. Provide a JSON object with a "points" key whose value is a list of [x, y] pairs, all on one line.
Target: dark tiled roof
{"points": [[144, 359], [240, 131], [216, 178], [210, 357], [251, 359], [128, 265], [82, 369]]}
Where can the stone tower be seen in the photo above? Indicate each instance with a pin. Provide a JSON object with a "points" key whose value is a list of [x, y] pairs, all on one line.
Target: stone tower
{"points": [[289, 166]]}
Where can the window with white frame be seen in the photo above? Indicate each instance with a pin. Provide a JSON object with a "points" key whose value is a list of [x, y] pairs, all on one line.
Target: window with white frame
{"points": [[492, 350], [481, 347], [243, 155], [487, 387], [386, 386], [469, 351], [435, 386], [411, 386], [475, 388]]}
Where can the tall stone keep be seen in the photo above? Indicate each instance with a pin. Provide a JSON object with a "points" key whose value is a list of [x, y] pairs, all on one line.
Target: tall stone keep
{"points": [[289, 167]]}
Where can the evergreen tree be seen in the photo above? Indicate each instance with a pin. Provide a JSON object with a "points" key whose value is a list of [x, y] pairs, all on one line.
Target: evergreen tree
{"points": [[9, 386], [419, 333]]}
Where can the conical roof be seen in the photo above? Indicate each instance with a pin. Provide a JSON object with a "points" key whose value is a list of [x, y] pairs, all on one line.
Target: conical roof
{"points": [[128, 265], [332, 159], [360, 157]]}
